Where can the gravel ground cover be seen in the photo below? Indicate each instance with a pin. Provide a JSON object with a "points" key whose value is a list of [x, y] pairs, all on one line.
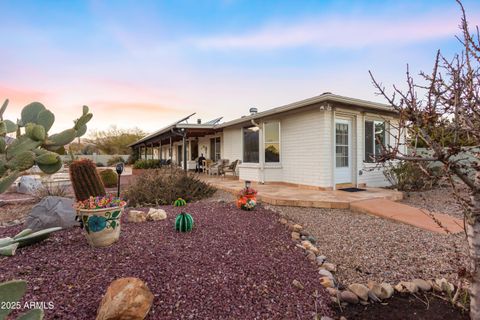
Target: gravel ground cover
{"points": [[437, 200], [370, 248], [233, 265]]}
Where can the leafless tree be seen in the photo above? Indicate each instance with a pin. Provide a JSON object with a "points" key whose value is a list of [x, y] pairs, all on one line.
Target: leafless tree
{"points": [[442, 110]]}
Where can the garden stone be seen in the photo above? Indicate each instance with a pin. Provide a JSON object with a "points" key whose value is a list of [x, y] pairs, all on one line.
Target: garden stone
{"points": [[136, 216], [295, 236], [332, 291], [126, 298], [444, 285], [360, 290], [379, 291], [297, 227], [327, 282], [283, 221], [349, 297], [297, 284], [311, 256], [321, 259], [388, 290], [325, 273], [329, 266], [304, 233], [156, 214], [306, 244], [314, 250], [312, 239], [28, 185], [406, 287], [422, 284], [51, 212]]}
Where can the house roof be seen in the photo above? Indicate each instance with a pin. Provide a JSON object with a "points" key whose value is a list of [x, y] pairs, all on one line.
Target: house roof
{"points": [[325, 97]]}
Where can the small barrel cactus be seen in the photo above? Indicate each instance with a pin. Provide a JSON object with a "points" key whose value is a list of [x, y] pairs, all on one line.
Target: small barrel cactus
{"points": [[179, 203], [85, 179], [184, 222]]}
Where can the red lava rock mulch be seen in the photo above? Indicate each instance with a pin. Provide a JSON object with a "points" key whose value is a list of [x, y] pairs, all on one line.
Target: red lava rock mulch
{"points": [[233, 265]]}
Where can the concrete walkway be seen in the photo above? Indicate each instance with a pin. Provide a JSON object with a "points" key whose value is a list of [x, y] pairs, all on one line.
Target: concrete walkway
{"points": [[403, 213], [288, 195]]}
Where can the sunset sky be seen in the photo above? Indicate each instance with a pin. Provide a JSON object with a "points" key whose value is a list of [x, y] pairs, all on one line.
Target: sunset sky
{"points": [[147, 63]]}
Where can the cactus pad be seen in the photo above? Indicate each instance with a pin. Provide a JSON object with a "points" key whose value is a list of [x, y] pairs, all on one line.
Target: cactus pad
{"points": [[11, 291]]}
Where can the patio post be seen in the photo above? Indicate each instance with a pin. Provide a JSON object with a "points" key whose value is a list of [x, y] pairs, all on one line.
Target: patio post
{"points": [[184, 140], [146, 150]]}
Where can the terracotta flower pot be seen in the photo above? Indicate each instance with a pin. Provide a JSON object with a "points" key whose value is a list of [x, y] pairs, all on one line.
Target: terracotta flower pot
{"points": [[101, 226]]}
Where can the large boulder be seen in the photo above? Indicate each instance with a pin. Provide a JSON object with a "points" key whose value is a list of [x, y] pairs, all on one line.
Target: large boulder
{"points": [[28, 184], [52, 212], [125, 299]]}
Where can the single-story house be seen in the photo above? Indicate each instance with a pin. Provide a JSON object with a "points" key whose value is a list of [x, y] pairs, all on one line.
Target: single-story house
{"points": [[322, 142]]}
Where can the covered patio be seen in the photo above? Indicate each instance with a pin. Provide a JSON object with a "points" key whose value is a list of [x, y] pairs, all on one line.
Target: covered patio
{"points": [[180, 141]]}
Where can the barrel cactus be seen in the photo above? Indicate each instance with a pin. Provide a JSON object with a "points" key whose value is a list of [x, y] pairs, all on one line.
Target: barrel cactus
{"points": [[33, 144], [179, 203], [184, 222], [11, 292]]}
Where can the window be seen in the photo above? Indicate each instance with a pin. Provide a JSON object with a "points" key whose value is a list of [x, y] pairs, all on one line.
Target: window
{"points": [[272, 141], [341, 145], [250, 144], [194, 148], [215, 153], [374, 138]]}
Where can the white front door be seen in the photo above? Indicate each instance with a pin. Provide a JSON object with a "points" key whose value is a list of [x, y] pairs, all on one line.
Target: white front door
{"points": [[343, 151]]}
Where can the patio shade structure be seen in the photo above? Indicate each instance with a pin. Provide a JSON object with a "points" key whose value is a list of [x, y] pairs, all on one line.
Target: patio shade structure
{"points": [[180, 130]]}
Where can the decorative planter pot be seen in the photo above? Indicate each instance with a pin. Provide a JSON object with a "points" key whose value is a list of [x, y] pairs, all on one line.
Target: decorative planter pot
{"points": [[251, 196], [101, 226]]}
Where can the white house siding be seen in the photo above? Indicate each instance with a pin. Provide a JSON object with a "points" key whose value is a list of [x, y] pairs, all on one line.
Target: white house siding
{"points": [[371, 173], [232, 144], [301, 150]]}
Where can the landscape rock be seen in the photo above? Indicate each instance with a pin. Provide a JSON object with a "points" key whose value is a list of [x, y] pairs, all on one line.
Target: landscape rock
{"points": [[388, 290], [297, 227], [311, 256], [379, 291], [332, 291], [314, 250], [444, 285], [360, 290], [283, 221], [312, 239], [295, 236], [297, 284], [422, 284], [329, 266], [28, 185], [325, 273], [307, 245], [349, 297], [156, 214], [126, 298], [327, 282], [326, 318], [321, 259], [406, 287], [304, 233], [136, 216], [52, 212]]}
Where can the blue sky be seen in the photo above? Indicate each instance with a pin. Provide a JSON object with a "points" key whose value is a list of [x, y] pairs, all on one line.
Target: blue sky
{"points": [[146, 63]]}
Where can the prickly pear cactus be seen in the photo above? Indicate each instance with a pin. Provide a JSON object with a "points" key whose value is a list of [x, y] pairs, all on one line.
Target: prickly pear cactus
{"points": [[11, 292], [33, 144]]}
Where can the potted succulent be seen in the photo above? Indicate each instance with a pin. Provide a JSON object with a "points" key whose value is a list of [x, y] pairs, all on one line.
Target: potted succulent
{"points": [[100, 219], [247, 198]]}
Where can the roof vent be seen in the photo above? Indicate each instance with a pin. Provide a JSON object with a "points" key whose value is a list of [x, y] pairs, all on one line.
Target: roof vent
{"points": [[327, 92], [253, 111], [199, 121]]}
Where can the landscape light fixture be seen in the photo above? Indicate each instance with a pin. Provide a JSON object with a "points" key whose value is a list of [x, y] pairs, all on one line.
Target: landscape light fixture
{"points": [[119, 168]]}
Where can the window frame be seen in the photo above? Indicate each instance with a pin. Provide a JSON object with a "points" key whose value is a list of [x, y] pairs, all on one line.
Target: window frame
{"points": [[374, 121], [243, 145], [271, 163]]}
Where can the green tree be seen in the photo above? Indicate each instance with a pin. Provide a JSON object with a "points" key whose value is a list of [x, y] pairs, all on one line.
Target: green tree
{"points": [[115, 140]]}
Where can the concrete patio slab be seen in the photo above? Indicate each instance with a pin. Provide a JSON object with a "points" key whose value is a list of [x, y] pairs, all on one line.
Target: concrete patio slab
{"points": [[286, 195], [403, 213]]}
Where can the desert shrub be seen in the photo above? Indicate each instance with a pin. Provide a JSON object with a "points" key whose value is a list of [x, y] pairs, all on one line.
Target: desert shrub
{"points": [[147, 164], [114, 160], [109, 178], [163, 186], [411, 176], [51, 189], [99, 164]]}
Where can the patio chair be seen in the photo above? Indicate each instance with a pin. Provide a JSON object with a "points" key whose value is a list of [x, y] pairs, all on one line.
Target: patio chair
{"points": [[232, 168], [217, 167], [206, 164]]}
